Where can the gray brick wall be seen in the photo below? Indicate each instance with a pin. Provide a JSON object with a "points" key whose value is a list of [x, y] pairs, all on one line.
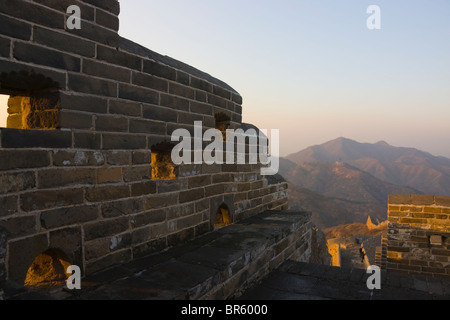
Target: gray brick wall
{"points": [[90, 178]]}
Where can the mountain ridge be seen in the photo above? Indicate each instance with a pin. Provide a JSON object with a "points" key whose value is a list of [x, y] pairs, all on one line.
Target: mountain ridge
{"points": [[397, 165], [344, 180]]}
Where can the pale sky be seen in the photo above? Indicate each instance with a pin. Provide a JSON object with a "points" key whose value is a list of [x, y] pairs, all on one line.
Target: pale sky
{"points": [[312, 68]]}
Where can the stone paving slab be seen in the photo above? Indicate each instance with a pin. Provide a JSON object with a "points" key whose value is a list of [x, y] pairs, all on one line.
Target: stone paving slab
{"points": [[224, 257], [317, 282]]}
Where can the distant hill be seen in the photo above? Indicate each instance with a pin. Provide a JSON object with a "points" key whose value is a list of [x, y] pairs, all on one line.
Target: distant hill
{"points": [[337, 193], [399, 166], [329, 212]]}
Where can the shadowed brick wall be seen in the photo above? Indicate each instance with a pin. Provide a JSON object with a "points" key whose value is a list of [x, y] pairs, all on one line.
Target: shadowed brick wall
{"points": [[86, 186], [414, 220]]}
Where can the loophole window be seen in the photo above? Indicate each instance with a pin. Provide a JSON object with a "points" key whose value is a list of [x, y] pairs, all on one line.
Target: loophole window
{"points": [[223, 217], [162, 165]]}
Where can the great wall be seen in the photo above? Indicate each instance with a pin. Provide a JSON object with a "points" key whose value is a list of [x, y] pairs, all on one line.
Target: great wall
{"points": [[86, 177]]}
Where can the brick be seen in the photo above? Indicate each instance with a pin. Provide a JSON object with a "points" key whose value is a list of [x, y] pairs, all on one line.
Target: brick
{"points": [[118, 57], [21, 159], [192, 195], [188, 118], [217, 101], [126, 108], [180, 237], [432, 209], [442, 201], [43, 56], [161, 200], [5, 46], [141, 157], [188, 222], [159, 70], [160, 114], [13, 138], [17, 227], [118, 158], [143, 188], [147, 126], [139, 94], [8, 205], [77, 158], [17, 181], [62, 177], [108, 5], [419, 199], [75, 120], [109, 175], [173, 102], [201, 84], [400, 199], [214, 190], [224, 93], [123, 141], [86, 84], [106, 71], [111, 192], [83, 103], [86, 140], [201, 108], [63, 41], [62, 5], [39, 200], [14, 28], [52, 219], [151, 82], [31, 12], [199, 181], [105, 228], [183, 78], [69, 241], [413, 221], [97, 33], [181, 90], [141, 235], [237, 99], [148, 218], [201, 96], [136, 173], [107, 20], [121, 208], [111, 123]]}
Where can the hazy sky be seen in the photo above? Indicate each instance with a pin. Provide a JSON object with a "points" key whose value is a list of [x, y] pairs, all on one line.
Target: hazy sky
{"points": [[312, 68]]}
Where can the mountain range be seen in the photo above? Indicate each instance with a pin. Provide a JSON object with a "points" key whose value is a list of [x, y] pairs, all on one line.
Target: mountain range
{"points": [[346, 181]]}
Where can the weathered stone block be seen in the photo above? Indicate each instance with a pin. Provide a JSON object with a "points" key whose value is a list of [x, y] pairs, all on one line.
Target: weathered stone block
{"points": [[8, 205], [105, 228], [123, 141], [13, 138], [15, 182], [109, 175], [39, 200], [77, 158], [105, 193], [67, 216], [17, 227], [62, 177], [43, 56]]}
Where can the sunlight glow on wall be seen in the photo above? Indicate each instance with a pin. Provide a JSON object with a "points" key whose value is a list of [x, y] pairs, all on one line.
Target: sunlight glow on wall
{"points": [[3, 110]]}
